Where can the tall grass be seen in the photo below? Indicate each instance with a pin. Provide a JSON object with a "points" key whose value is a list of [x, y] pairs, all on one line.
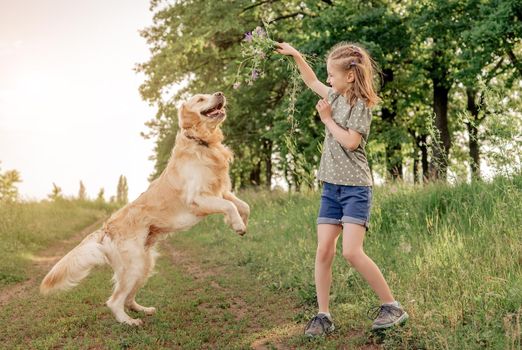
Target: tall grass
{"points": [[451, 254], [27, 227]]}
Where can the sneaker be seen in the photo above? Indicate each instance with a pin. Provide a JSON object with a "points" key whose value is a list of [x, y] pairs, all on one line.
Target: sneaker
{"points": [[319, 325], [386, 316]]}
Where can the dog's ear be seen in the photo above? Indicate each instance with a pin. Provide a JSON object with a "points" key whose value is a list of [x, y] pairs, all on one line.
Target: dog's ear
{"points": [[186, 117]]}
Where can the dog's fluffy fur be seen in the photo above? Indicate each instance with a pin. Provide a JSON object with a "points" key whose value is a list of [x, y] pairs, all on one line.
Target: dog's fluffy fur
{"points": [[195, 183]]}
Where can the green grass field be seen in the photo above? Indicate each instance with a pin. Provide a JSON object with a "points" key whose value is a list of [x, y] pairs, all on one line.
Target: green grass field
{"points": [[451, 254], [28, 227]]}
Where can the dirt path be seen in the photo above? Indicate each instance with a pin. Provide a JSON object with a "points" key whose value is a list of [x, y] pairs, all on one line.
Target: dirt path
{"points": [[43, 262], [274, 338], [237, 294], [281, 331]]}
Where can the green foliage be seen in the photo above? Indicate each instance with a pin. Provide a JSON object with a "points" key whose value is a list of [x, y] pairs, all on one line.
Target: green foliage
{"points": [[100, 198], [56, 194], [427, 51], [502, 131], [494, 30], [8, 181]]}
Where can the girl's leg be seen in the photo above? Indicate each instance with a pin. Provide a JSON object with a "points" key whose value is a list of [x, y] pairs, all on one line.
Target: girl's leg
{"points": [[353, 236], [327, 236]]}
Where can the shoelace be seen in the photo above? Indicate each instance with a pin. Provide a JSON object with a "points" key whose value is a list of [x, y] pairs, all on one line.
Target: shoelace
{"points": [[375, 312], [315, 320]]}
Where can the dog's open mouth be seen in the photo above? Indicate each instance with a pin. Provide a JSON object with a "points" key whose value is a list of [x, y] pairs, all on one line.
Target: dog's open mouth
{"points": [[216, 112]]}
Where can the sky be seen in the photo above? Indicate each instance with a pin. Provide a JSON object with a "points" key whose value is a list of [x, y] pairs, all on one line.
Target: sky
{"points": [[70, 108]]}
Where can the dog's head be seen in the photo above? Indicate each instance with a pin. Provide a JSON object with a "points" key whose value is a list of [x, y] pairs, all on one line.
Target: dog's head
{"points": [[203, 110]]}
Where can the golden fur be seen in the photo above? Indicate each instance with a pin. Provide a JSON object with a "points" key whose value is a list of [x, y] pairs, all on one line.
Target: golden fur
{"points": [[194, 184]]}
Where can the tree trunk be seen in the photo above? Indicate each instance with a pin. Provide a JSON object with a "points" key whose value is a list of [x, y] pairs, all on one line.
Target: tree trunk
{"points": [[415, 167], [514, 60], [267, 155], [394, 161], [474, 148], [287, 178], [393, 146], [441, 147], [255, 174], [297, 181], [422, 143]]}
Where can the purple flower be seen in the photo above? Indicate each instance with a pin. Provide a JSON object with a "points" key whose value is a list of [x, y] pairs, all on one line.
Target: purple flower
{"points": [[260, 31], [236, 85], [248, 37], [255, 74]]}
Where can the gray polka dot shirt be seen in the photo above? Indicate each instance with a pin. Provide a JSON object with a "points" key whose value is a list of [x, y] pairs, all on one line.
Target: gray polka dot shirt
{"points": [[339, 165]]}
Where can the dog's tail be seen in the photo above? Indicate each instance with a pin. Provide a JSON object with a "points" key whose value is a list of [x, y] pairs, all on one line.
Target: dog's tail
{"points": [[76, 265]]}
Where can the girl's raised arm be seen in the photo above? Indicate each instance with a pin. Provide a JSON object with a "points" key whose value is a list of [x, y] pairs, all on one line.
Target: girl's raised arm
{"points": [[308, 75]]}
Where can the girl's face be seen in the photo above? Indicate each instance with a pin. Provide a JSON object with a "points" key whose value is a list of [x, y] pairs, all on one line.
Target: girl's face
{"points": [[338, 79]]}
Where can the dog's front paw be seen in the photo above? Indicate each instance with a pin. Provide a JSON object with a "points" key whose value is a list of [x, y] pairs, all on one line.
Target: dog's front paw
{"points": [[240, 228]]}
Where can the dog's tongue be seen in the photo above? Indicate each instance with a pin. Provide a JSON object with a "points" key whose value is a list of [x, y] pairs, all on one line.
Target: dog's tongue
{"points": [[214, 112]]}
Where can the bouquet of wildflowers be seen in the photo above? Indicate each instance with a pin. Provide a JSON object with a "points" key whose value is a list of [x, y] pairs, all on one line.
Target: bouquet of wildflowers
{"points": [[257, 47]]}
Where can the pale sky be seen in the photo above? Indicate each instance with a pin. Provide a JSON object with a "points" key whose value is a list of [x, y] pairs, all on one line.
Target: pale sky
{"points": [[70, 109]]}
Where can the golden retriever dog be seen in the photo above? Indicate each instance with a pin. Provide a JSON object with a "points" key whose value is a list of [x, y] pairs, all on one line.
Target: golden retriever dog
{"points": [[194, 184]]}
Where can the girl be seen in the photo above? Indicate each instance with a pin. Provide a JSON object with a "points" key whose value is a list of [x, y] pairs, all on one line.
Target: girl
{"points": [[347, 183]]}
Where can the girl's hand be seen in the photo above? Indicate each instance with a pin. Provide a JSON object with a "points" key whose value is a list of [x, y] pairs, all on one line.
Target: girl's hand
{"points": [[325, 110], [286, 49]]}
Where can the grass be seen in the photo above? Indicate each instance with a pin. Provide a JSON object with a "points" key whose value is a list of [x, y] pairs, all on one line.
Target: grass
{"points": [[192, 314], [28, 227], [451, 254]]}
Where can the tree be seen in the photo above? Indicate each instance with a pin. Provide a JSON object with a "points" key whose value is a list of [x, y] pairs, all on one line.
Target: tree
{"points": [[207, 58], [56, 194], [100, 197], [438, 24], [489, 57], [421, 47], [122, 191], [82, 194], [8, 181]]}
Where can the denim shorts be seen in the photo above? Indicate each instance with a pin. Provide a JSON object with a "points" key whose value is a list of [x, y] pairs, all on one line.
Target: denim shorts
{"points": [[345, 204]]}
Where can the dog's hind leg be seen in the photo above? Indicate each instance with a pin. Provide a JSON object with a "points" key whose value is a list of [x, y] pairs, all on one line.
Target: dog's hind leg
{"points": [[150, 256], [127, 273]]}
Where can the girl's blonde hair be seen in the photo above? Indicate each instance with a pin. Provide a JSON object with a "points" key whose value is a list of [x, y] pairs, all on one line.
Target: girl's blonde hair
{"points": [[351, 57]]}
